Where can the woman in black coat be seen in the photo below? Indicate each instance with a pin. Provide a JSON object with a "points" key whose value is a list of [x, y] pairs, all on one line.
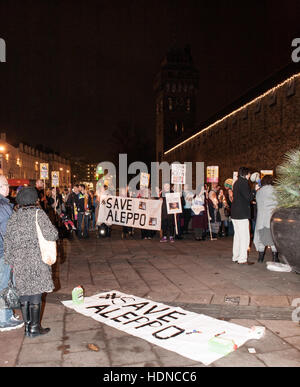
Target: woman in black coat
{"points": [[240, 215]]}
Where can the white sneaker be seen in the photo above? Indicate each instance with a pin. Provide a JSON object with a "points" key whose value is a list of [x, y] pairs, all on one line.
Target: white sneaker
{"points": [[12, 324]]}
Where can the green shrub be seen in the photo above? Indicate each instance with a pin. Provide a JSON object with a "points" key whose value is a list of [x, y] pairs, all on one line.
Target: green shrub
{"points": [[287, 184]]}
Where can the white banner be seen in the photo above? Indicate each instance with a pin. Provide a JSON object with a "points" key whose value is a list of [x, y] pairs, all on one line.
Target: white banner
{"points": [[195, 336], [130, 212]]}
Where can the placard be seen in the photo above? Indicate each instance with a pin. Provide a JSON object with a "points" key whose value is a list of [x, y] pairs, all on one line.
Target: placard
{"points": [[44, 171], [130, 212], [212, 174], [178, 173], [173, 201], [144, 180], [55, 178]]}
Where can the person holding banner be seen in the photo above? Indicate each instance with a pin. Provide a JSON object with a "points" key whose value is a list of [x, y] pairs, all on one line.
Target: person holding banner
{"points": [[240, 214], [167, 220]]}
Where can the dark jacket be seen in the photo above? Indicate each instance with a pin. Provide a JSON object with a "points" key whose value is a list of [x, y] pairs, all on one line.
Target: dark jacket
{"points": [[6, 210], [80, 203], [240, 208]]}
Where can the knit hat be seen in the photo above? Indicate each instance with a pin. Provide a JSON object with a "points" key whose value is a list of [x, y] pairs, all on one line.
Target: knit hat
{"points": [[27, 196]]}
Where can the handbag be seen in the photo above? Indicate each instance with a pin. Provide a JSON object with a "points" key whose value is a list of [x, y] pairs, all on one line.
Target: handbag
{"points": [[48, 248], [9, 297]]}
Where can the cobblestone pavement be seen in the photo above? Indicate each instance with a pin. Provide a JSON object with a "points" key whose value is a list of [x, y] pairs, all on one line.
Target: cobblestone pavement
{"points": [[198, 276]]}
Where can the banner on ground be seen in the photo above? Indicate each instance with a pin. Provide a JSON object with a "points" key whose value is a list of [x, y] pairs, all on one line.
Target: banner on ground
{"points": [[130, 212], [195, 336]]}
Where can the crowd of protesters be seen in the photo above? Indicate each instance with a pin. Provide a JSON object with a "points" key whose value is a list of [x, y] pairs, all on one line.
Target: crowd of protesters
{"points": [[239, 209]]}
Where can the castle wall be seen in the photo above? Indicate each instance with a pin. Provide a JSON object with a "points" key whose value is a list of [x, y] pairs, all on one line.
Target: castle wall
{"points": [[256, 135]]}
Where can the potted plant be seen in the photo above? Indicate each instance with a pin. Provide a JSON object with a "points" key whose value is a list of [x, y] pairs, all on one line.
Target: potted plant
{"points": [[285, 221]]}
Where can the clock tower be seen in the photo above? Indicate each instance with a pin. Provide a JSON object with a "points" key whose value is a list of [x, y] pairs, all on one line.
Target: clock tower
{"points": [[175, 89]]}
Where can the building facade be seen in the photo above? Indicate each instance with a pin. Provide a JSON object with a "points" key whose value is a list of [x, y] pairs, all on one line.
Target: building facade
{"points": [[175, 88], [22, 163], [255, 131]]}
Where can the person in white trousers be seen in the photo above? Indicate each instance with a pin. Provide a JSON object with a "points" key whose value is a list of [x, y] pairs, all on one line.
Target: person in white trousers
{"points": [[241, 240], [240, 215]]}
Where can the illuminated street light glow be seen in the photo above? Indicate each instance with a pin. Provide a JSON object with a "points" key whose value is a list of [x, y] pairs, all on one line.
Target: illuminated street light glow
{"points": [[233, 113]]}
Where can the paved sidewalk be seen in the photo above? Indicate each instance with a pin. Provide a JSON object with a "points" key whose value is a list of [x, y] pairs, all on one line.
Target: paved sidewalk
{"points": [[198, 276]]}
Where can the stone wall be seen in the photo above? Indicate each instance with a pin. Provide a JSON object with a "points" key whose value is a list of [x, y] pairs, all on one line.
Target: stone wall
{"points": [[256, 135]]}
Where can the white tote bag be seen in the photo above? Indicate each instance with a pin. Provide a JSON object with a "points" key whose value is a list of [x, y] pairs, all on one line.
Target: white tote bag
{"points": [[48, 248]]}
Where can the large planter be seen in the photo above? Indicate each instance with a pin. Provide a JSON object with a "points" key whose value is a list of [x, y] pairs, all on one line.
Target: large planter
{"points": [[285, 229]]}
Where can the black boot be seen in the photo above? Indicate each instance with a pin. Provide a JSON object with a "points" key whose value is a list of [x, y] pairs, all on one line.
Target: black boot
{"points": [[35, 328], [26, 316], [261, 256], [275, 256]]}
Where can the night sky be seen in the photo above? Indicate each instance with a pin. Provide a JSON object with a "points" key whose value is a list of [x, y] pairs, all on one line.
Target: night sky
{"points": [[76, 69]]}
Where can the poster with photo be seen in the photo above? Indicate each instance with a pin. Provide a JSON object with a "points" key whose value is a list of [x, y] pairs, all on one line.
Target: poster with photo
{"points": [[173, 201], [55, 178], [44, 171]]}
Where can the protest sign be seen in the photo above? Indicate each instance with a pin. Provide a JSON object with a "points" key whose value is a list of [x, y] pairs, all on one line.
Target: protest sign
{"points": [[265, 172], [55, 178], [212, 174], [44, 171], [195, 336], [130, 212], [178, 173], [144, 180], [173, 201]]}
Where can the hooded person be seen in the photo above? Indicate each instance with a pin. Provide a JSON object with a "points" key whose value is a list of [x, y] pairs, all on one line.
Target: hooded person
{"points": [[22, 252]]}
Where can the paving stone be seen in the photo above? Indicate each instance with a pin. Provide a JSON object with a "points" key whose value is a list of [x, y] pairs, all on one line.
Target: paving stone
{"points": [[128, 350], [239, 358], [287, 358], [78, 341], [269, 301], [282, 328], [86, 359], [40, 352], [78, 322]]}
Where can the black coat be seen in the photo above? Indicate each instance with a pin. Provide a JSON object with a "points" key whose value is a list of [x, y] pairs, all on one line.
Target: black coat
{"points": [[240, 208]]}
